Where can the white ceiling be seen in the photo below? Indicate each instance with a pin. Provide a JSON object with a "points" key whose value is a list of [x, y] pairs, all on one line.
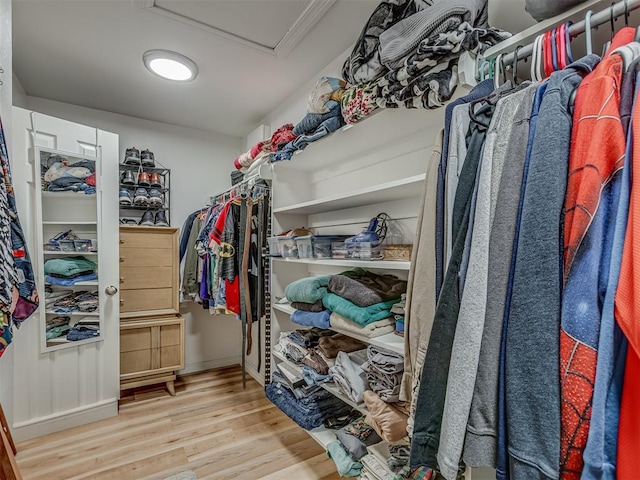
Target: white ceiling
{"points": [[251, 53]]}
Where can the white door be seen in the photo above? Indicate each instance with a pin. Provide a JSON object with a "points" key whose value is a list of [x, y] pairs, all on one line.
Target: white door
{"points": [[60, 388]]}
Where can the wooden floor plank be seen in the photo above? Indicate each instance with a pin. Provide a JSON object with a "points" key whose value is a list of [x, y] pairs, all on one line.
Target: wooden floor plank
{"points": [[212, 427]]}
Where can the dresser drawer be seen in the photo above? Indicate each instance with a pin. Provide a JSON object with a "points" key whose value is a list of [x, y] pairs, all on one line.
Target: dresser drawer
{"points": [[147, 257], [149, 300], [148, 238], [146, 277]]}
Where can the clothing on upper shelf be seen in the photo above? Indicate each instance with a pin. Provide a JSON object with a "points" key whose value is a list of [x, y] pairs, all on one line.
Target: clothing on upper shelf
{"points": [[361, 315], [307, 290], [311, 319], [331, 345], [309, 307]]}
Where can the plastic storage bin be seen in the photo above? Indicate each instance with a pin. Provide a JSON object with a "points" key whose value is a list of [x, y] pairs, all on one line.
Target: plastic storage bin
{"points": [[67, 246], [357, 251], [82, 245], [305, 246], [288, 247], [322, 244], [274, 247]]}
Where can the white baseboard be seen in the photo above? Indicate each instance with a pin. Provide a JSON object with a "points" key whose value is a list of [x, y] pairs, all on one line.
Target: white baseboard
{"points": [[253, 371], [210, 364], [37, 427]]}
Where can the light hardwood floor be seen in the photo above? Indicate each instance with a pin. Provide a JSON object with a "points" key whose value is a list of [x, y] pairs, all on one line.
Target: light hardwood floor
{"points": [[211, 427]]}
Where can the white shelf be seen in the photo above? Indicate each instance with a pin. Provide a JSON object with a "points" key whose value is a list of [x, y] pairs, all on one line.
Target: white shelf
{"points": [[74, 314], [370, 264], [69, 254], [390, 341], [410, 187], [68, 195], [374, 131], [66, 222], [324, 436], [329, 387]]}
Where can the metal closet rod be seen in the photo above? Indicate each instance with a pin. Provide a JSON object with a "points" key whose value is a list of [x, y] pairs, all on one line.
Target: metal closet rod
{"points": [[577, 28]]}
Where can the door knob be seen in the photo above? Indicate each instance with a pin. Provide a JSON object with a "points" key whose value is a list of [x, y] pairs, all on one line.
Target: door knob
{"points": [[111, 290]]}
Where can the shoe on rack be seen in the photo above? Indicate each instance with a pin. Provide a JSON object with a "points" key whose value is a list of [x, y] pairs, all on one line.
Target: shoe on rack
{"points": [[125, 197], [141, 197], [128, 221], [161, 219], [132, 156], [154, 180], [155, 198], [147, 159], [143, 179], [127, 178], [147, 219]]}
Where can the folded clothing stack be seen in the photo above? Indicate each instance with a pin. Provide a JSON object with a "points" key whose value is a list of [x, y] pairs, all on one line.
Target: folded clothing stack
{"points": [[307, 290], [384, 370], [80, 301], [389, 420], [374, 465], [308, 412], [57, 327], [61, 176], [346, 466], [84, 329], [356, 437], [348, 374], [371, 330], [364, 288], [398, 311], [69, 271]]}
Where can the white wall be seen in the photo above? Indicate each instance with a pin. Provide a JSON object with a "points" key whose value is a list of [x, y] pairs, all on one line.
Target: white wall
{"points": [[6, 362], [200, 163]]}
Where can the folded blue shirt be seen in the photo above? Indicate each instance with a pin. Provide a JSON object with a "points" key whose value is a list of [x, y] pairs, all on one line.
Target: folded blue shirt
{"points": [[70, 281], [311, 319]]}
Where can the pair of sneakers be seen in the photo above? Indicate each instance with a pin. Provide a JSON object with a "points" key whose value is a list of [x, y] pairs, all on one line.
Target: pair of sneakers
{"points": [[133, 156], [152, 197], [144, 179], [154, 219]]}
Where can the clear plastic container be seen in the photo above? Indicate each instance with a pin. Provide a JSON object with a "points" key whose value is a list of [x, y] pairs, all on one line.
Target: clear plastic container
{"points": [[274, 247], [322, 244], [67, 246], [305, 246], [288, 247], [357, 251], [82, 245]]}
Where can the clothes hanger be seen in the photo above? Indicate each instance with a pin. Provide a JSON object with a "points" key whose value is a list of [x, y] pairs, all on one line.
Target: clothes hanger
{"points": [[498, 64], [547, 49], [554, 50], [504, 70], [587, 31], [534, 60], [567, 40], [514, 66], [613, 29], [561, 47]]}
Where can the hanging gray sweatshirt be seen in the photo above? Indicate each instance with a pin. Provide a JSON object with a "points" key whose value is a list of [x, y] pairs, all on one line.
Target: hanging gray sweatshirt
{"points": [[465, 353], [480, 442]]}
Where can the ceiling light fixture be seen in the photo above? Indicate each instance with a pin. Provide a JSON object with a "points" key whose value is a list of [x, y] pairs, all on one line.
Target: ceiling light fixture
{"points": [[170, 65]]}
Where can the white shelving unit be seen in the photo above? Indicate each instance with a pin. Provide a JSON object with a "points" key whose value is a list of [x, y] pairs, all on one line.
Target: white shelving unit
{"points": [[57, 212], [336, 186]]}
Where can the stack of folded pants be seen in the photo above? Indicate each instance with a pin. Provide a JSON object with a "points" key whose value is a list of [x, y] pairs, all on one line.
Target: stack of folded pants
{"points": [[384, 370], [348, 374], [308, 412]]}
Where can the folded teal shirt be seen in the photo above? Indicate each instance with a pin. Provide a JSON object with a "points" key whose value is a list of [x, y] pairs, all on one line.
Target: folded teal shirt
{"points": [[68, 266], [361, 315], [345, 465], [307, 290]]}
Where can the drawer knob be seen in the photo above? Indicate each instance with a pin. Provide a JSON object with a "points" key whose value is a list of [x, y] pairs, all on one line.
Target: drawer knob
{"points": [[121, 303], [121, 279], [121, 259], [121, 241]]}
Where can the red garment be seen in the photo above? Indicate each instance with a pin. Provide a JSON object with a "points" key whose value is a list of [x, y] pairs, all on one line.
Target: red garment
{"points": [[256, 149], [628, 317], [233, 295], [91, 180], [597, 153], [282, 136]]}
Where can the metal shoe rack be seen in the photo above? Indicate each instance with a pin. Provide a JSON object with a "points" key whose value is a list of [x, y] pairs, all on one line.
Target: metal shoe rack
{"points": [[129, 211]]}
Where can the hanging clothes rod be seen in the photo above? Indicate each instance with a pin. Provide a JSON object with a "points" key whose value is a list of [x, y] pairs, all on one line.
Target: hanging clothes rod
{"points": [[617, 10], [264, 172]]}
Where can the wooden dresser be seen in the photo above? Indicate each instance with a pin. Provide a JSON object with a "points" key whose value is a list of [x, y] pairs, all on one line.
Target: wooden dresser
{"points": [[151, 328]]}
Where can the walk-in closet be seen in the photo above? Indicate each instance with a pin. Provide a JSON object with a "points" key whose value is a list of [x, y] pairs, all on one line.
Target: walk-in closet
{"points": [[319, 239]]}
